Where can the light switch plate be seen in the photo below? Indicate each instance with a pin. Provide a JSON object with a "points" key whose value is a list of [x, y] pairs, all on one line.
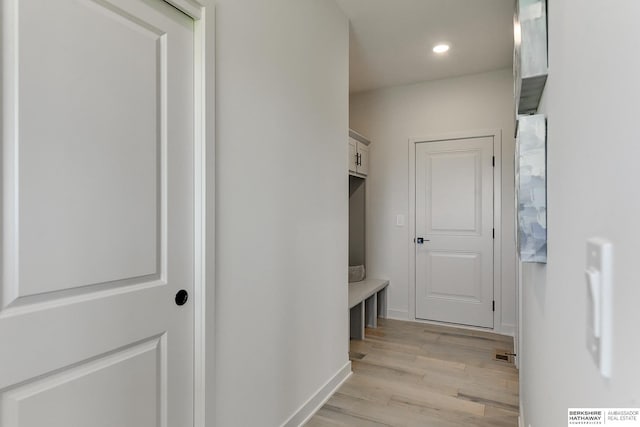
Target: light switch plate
{"points": [[599, 281], [400, 220]]}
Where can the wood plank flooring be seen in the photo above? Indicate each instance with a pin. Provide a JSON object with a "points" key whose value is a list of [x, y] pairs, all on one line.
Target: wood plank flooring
{"points": [[414, 374]]}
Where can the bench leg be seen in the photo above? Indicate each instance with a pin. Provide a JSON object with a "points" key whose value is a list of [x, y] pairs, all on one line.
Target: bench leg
{"points": [[356, 320], [382, 303], [371, 311]]}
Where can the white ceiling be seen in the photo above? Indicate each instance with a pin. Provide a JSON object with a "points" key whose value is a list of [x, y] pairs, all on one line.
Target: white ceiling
{"points": [[391, 40]]}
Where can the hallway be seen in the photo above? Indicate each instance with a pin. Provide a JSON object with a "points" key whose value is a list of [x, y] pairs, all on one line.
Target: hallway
{"points": [[414, 374]]}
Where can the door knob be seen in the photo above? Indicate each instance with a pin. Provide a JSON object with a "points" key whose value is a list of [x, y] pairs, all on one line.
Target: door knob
{"points": [[181, 297], [421, 240]]}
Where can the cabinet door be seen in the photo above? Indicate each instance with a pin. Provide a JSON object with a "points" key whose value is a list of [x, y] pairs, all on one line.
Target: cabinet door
{"points": [[363, 165], [353, 149]]}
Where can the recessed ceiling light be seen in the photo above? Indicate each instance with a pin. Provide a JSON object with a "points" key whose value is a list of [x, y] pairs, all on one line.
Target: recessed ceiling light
{"points": [[441, 48]]}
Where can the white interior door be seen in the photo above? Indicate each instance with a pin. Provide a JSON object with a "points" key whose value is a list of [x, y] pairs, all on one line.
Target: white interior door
{"points": [[454, 216], [97, 219]]}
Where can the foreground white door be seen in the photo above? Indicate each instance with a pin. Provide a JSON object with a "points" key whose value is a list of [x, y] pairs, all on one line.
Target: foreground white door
{"points": [[454, 216], [97, 219]]}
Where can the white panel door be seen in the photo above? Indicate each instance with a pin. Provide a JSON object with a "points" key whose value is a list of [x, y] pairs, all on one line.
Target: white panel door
{"points": [[97, 219], [454, 216]]}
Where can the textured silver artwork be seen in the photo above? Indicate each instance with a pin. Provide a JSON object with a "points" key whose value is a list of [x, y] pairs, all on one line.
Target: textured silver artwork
{"points": [[531, 188], [530, 54]]}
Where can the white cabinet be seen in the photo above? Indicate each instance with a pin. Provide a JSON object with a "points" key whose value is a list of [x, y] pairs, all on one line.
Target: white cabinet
{"points": [[363, 159], [353, 155], [358, 154]]}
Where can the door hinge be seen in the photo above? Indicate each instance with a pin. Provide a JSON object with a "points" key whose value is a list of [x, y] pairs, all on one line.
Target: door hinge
{"points": [[494, 305], [493, 161], [494, 233]]}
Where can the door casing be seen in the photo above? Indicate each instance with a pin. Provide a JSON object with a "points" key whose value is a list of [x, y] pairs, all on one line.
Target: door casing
{"points": [[496, 134], [203, 14]]}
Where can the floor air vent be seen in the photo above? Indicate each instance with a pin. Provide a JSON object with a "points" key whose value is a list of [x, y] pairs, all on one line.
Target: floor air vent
{"points": [[504, 356]]}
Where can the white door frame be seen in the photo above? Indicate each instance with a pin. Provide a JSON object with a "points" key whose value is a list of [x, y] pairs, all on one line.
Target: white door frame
{"points": [[496, 134], [203, 14]]}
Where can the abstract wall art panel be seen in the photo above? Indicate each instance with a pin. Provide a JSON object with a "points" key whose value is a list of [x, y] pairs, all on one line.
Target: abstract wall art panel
{"points": [[531, 188], [530, 54]]}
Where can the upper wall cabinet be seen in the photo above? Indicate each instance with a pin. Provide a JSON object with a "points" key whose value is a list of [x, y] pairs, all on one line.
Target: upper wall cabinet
{"points": [[353, 155], [358, 154], [530, 54]]}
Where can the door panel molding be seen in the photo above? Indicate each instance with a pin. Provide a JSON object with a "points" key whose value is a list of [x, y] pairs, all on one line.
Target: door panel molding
{"points": [[445, 219], [474, 257], [44, 240], [496, 134], [103, 370]]}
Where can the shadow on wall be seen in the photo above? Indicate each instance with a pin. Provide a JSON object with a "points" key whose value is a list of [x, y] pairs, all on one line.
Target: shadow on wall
{"points": [[538, 273]]}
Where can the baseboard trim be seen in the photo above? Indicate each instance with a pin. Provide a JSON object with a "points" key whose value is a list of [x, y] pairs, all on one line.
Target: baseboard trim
{"points": [[496, 331], [397, 314], [319, 398], [507, 329]]}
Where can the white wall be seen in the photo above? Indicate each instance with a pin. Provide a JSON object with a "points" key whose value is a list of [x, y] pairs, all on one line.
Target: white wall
{"points": [[593, 175], [389, 117], [281, 207]]}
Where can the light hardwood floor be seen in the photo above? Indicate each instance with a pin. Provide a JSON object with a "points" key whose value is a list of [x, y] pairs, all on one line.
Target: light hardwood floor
{"points": [[414, 374]]}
